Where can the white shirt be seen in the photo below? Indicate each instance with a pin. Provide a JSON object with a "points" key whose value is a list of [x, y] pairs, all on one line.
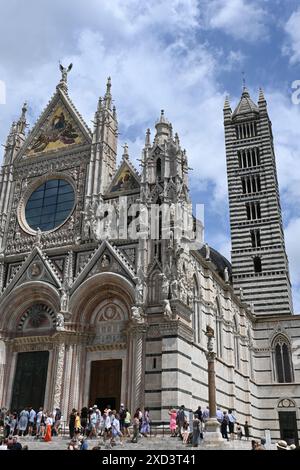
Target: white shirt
{"points": [[32, 415]]}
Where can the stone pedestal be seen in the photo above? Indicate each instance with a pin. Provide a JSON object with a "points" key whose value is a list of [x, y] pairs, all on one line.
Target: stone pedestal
{"points": [[212, 435]]}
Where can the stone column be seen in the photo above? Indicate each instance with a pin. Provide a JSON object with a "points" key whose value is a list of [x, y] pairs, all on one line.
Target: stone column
{"points": [[212, 436], [58, 378], [136, 367]]}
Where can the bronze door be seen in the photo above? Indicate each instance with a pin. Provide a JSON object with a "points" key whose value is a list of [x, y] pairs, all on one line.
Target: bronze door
{"points": [[105, 385], [288, 426], [30, 380]]}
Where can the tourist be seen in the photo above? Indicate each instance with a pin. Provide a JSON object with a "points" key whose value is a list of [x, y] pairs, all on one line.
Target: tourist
{"points": [[198, 412], [3, 444], [82, 443], [12, 423], [127, 422], [15, 444], [72, 422], [93, 423], [122, 414], [145, 429], [232, 420], [246, 430], [224, 425], [32, 416], [49, 423], [205, 414], [136, 425], [196, 430], [73, 444], [173, 414], [181, 418], [84, 419], [219, 415], [77, 424], [185, 432], [115, 430], [23, 421], [57, 418], [239, 431]]}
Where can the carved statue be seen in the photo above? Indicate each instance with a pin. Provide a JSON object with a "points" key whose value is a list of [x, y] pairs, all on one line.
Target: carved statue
{"points": [[164, 286], [105, 261], [38, 237], [136, 314], [174, 289], [65, 71], [207, 252], [226, 275], [60, 320], [167, 309], [64, 300], [241, 294], [139, 290]]}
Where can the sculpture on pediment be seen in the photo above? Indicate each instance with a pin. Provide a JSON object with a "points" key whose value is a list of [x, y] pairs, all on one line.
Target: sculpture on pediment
{"points": [[105, 261], [139, 290], [226, 275], [174, 289]]}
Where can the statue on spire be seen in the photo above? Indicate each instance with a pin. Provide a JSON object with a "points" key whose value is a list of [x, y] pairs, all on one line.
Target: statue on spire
{"points": [[64, 75]]}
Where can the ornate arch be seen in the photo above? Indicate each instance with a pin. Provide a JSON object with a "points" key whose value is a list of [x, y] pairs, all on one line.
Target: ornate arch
{"points": [[85, 301], [20, 299]]}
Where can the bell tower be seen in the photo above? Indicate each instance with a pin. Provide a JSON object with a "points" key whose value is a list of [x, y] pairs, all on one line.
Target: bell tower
{"points": [[259, 262]]}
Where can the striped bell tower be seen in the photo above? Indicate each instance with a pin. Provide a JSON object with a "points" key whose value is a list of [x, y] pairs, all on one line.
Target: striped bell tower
{"points": [[259, 261]]}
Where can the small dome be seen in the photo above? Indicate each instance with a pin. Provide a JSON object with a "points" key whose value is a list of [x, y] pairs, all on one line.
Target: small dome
{"points": [[219, 261]]}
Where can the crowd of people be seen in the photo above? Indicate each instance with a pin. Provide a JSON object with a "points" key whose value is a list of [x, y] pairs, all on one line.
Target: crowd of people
{"points": [[112, 427], [191, 426], [88, 423]]}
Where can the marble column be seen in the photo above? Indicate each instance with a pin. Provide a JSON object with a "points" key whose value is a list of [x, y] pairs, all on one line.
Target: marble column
{"points": [[212, 436], [136, 384], [59, 372]]}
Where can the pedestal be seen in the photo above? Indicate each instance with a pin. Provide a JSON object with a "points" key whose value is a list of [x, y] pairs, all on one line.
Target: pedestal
{"points": [[212, 436]]}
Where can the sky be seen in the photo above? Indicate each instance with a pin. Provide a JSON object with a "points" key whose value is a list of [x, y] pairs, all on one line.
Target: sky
{"points": [[183, 56]]}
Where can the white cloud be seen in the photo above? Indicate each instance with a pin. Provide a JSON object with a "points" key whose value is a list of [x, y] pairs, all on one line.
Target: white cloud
{"points": [[292, 29], [241, 19], [292, 234]]}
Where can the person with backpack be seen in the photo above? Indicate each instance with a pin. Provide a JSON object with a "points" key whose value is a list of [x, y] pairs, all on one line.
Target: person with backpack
{"points": [[122, 415]]}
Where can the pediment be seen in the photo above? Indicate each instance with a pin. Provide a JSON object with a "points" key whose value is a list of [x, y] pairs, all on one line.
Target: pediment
{"points": [[59, 128], [36, 267], [125, 180], [106, 258]]}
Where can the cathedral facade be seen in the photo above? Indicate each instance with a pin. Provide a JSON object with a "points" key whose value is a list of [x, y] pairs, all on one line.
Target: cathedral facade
{"points": [[95, 308]]}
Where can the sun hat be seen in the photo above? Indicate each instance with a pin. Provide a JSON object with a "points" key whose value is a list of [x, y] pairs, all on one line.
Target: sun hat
{"points": [[292, 447], [282, 445]]}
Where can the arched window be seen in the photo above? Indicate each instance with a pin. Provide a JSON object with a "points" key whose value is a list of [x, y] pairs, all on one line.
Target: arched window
{"points": [[282, 357], [236, 343], [257, 264], [219, 338]]}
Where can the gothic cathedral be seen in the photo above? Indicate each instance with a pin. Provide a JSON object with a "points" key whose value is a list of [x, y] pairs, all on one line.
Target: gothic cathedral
{"points": [[91, 312]]}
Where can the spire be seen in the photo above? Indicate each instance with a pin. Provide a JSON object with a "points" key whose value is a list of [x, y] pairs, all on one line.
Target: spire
{"points": [[21, 125], [262, 104], [227, 103], [125, 155], [147, 138], [162, 127], [107, 96], [246, 105]]}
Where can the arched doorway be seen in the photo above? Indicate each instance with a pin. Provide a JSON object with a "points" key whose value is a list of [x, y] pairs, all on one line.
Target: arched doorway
{"points": [[288, 421]]}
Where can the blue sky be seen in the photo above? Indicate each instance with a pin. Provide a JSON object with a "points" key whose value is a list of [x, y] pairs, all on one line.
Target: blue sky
{"points": [[183, 56]]}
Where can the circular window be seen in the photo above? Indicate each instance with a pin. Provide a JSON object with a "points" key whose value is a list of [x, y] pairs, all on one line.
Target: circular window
{"points": [[50, 205]]}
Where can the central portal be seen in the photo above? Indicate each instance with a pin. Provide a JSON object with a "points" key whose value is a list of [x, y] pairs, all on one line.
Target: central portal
{"points": [[105, 385]]}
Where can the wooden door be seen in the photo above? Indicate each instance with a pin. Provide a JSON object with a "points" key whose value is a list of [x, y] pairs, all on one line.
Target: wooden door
{"points": [[105, 385], [30, 380]]}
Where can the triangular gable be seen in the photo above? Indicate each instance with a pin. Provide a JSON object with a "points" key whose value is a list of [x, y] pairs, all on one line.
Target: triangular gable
{"points": [[125, 180], [60, 127], [106, 258], [36, 267]]}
